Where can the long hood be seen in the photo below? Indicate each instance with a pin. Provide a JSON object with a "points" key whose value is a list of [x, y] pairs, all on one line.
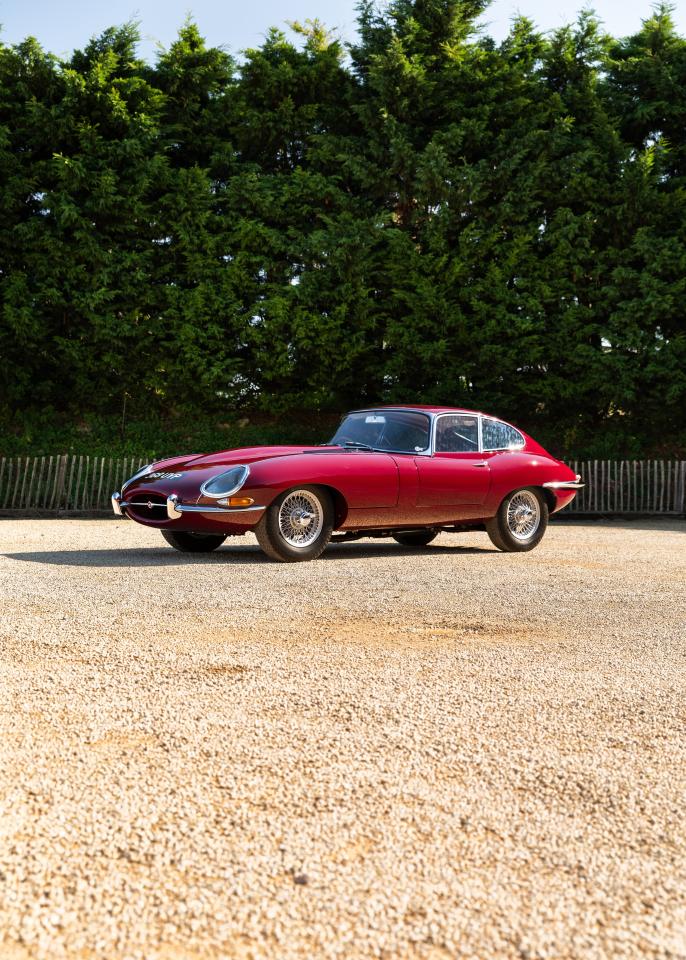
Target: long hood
{"points": [[184, 475], [274, 468], [227, 458]]}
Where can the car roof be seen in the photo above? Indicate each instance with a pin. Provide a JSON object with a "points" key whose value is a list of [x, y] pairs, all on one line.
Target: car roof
{"points": [[419, 408]]}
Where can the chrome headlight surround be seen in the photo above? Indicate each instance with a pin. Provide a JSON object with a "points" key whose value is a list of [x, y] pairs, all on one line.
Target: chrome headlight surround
{"points": [[140, 473], [234, 478]]}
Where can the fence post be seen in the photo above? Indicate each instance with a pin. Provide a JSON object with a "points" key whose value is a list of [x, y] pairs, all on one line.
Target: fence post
{"points": [[26, 503], [16, 485], [98, 497], [60, 474], [46, 489], [77, 487], [39, 482]]}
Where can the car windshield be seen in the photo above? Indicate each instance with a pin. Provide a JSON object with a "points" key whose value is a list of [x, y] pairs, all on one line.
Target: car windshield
{"points": [[397, 430]]}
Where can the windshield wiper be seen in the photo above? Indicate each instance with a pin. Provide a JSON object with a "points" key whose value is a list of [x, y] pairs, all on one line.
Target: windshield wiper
{"points": [[357, 445]]}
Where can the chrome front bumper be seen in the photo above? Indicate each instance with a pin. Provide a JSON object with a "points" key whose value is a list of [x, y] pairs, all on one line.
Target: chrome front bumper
{"points": [[176, 509]]}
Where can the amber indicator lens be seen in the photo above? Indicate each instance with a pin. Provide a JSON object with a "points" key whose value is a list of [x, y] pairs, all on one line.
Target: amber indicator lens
{"points": [[240, 501]]}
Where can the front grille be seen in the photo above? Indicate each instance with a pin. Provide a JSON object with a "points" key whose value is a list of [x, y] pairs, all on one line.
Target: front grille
{"points": [[147, 506]]}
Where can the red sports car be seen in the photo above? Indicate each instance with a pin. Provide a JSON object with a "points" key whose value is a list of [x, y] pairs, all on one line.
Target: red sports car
{"points": [[402, 472]]}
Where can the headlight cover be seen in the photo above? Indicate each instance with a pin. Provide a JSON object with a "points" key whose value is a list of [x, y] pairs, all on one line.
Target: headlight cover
{"points": [[225, 484], [140, 473]]}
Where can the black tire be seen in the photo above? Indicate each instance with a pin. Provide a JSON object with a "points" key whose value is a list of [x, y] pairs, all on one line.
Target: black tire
{"points": [[277, 527], [502, 527], [193, 542], [415, 538]]}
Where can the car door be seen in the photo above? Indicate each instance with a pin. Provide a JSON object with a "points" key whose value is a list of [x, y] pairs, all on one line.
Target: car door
{"points": [[454, 481]]}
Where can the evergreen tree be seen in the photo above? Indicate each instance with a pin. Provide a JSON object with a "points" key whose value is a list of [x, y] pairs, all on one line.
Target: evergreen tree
{"points": [[192, 247], [301, 226], [645, 89], [439, 219], [85, 244], [30, 93]]}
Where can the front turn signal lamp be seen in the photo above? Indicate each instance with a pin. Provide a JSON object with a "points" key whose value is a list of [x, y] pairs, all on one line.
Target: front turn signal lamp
{"points": [[236, 502]]}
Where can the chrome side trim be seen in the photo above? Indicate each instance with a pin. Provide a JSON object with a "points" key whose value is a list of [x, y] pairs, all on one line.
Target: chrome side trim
{"points": [[175, 509], [116, 505]]}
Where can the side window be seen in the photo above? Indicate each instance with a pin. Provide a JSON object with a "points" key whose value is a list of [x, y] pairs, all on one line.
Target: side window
{"points": [[457, 434], [500, 436]]}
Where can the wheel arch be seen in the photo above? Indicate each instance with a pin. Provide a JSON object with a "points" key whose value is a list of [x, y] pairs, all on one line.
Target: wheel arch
{"points": [[549, 498], [547, 495], [340, 504]]}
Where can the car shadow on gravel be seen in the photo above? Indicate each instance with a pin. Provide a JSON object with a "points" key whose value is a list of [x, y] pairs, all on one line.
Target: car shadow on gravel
{"points": [[241, 553], [340, 551]]}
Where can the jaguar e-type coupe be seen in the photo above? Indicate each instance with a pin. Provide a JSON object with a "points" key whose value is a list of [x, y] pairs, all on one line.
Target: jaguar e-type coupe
{"points": [[391, 471]]}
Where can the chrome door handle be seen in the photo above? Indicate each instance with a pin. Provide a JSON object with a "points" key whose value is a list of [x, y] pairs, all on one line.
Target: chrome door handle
{"points": [[481, 464]]}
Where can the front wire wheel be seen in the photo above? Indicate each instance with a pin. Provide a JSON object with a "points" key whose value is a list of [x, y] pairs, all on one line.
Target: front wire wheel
{"points": [[297, 525], [520, 522]]}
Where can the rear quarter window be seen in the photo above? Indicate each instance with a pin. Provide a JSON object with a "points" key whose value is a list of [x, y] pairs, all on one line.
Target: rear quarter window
{"points": [[500, 436]]}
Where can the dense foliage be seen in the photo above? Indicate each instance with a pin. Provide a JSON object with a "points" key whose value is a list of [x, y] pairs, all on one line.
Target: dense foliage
{"points": [[425, 216]]}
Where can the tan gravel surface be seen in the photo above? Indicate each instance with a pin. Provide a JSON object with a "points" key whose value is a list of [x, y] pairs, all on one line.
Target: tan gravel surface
{"points": [[442, 753]]}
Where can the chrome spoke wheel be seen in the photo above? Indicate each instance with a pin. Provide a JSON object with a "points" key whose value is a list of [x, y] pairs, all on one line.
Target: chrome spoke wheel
{"points": [[523, 515], [521, 521], [301, 518]]}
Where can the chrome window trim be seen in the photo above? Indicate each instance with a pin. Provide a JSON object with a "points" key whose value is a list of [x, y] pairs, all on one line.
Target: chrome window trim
{"points": [[457, 413], [408, 453], [434, 418], [226, 493]]}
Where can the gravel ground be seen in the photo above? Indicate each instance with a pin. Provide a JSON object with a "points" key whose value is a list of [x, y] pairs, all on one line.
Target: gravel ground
{"points": [[442, 753]]}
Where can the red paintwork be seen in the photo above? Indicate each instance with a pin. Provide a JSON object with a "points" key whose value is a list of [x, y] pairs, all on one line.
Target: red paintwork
{"points": [[372, 490]]}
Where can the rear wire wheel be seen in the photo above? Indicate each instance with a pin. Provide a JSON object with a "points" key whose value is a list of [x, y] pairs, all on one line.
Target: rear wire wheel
{"points": [[520, 522], [297, 525]]}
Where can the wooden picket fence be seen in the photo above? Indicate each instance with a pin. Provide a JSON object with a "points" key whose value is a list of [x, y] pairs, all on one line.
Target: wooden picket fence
{"points": [[80, 484], [62, 484], [628, 487]]}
